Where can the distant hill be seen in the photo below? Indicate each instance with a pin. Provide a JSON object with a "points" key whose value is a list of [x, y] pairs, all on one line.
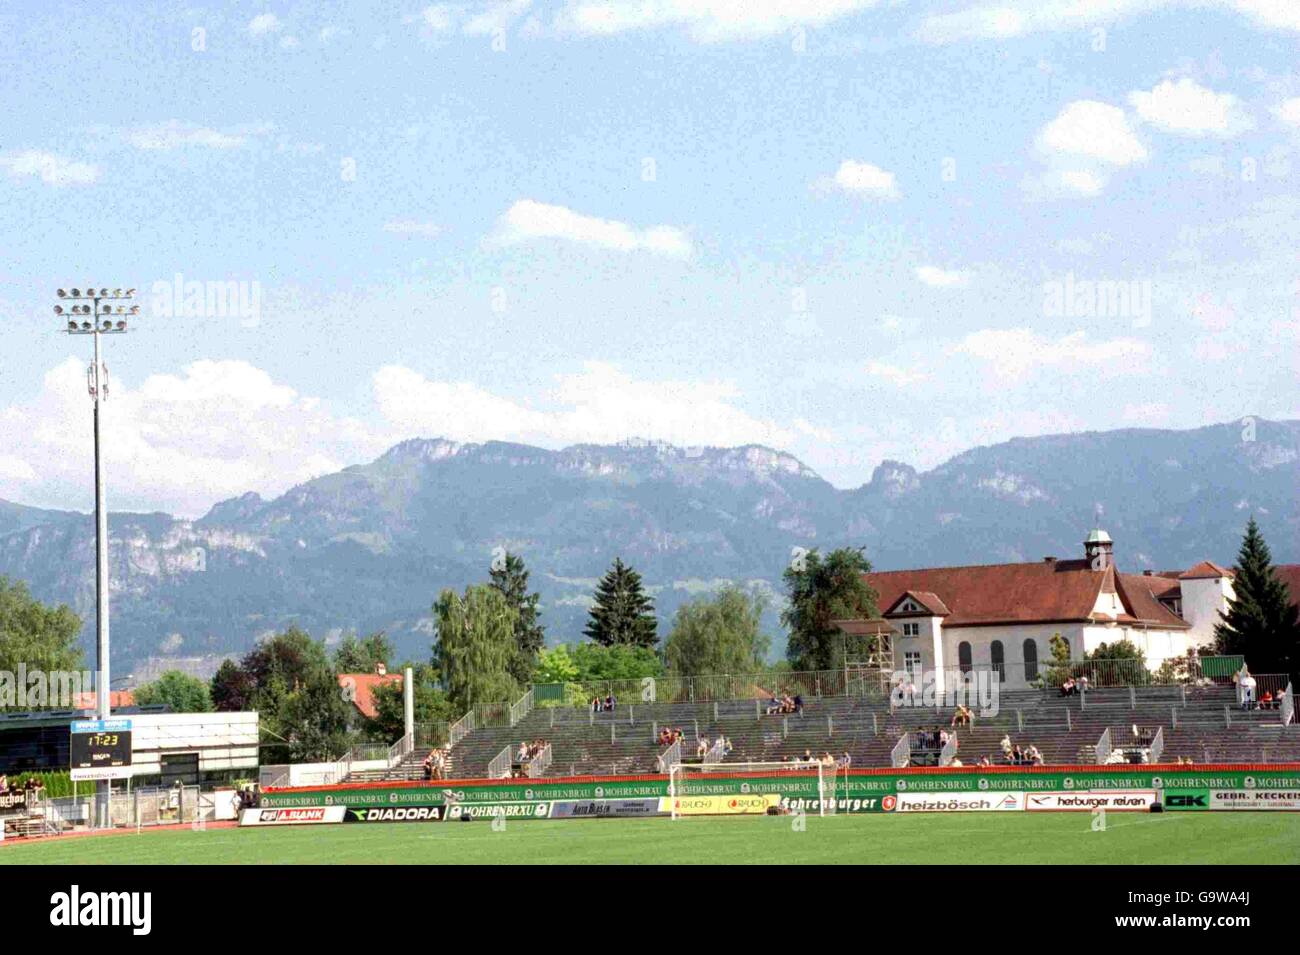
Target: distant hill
{"points": [[370, 546]]}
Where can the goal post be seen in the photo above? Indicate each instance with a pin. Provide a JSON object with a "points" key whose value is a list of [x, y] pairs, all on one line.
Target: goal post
{"points": [[821, 781]]}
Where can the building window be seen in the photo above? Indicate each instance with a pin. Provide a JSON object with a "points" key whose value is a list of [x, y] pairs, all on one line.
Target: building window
{"points": [[998, 658], [911, 629], [912, 663], [963, 657], [1031, 661]]}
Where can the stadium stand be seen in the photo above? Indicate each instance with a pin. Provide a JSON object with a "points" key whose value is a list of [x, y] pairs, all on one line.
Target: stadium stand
{"points": [[1199, 723]]}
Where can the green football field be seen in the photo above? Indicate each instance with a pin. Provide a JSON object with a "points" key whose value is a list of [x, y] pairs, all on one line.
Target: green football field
{"points": [[1171, 838]]}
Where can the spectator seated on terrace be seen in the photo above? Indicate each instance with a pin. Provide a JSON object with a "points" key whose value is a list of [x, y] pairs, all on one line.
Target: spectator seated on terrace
{"points": [[1069, 687], [963, 717], [1266, 701], [610, 703], [784, 705], [702, 747], [669, 736], [435, 764], [596, 705]]}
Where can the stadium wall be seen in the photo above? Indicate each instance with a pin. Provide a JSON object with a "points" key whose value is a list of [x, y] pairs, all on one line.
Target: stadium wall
{"points": [[863, 790]]}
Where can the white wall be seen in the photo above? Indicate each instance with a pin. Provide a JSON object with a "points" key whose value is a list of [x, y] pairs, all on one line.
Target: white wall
{"points": [[222, 740], [1203, 599]]}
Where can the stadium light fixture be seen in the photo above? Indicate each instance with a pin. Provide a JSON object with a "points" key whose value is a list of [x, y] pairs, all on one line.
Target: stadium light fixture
{"points": [[95, 307]]}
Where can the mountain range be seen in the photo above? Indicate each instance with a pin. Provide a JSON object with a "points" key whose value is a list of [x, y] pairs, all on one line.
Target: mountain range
{"points": [[371, 546]]}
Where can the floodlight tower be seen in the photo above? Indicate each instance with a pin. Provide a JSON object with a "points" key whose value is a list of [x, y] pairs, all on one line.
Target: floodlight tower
{"points": [[96, 312]]}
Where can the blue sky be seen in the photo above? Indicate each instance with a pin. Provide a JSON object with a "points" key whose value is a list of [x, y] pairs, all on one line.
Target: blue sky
{"points": [[850, 230]]}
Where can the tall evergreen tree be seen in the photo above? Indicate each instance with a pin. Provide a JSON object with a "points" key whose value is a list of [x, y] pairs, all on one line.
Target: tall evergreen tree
{"points": [[1262, 622], [622, 613], [510, 577]]}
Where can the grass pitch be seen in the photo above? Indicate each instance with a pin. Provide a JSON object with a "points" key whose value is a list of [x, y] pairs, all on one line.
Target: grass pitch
{"points": [[992, 838]]}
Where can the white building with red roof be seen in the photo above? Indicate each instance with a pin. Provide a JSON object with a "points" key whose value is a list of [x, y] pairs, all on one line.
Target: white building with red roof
{"points": [[1002, 617]]}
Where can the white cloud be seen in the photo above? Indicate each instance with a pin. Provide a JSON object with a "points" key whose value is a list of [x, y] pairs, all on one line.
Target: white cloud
{"points": [[1002, 19], [174, 134], [528, 220], [472, 19], [176, 442], [1093, 130], [705, 20], [52, 169], [1288, 111], [264, 23], [289, 43], [894, 374], [1015, 351], [940, 278], [1188, 108], [600, 404], [428, 230], [862, 179]]}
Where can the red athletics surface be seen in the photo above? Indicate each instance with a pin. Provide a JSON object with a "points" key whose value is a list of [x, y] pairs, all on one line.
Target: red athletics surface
{"points": [[874, 771], [175, 827]]}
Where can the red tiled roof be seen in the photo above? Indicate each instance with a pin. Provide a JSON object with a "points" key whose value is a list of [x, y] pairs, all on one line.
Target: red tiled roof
{"points": [[929, 601], [362, 686], [1289, 574], [1205, 569], [1062, 591], [1141, 594], [87, 700]]}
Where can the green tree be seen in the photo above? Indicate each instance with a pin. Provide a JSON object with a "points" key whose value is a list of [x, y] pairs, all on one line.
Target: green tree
{"points": [[42, 637], [179, 691], [619, 661], [1130, 668], [510, 577], [362, 655], [431, 704], [822, 590], [288, 679], [623, 613], [555, 665], [1261, 622], [475, 645], [718, 634]]}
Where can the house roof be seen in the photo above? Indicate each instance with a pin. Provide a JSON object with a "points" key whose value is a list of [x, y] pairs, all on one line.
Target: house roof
{"points": [[86, 700], [1060, 591], [362, 687], [927, 600], [1205, 569]]}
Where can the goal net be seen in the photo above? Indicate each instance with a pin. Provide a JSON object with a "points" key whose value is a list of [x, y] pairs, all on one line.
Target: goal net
{"points": [[808, 785]]}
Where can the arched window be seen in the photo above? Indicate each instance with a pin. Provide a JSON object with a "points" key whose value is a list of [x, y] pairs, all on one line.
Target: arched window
{"points": [[998, 658], [963, 656], [1031, 661]]}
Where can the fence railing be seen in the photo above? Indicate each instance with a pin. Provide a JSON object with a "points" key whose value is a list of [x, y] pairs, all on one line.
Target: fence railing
{"points": [[1104, 747], [539, 764], [669, 758], [949, 751], [400, 750], [809, 684], [461, 728], [1157, 748], [901, 754], [521, 708], [499, 767]]}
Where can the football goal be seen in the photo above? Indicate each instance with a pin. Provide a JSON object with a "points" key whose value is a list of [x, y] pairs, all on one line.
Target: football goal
{"points": [[810, 785]]}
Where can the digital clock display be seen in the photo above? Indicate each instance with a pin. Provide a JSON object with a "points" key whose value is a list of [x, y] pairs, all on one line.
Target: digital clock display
{"points": [[100, 749]]}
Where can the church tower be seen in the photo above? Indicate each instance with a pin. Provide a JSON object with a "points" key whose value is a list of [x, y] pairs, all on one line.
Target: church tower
{"points": [[1098, 550]]}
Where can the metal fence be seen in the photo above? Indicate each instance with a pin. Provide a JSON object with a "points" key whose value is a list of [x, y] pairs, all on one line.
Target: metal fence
{"points": [[539, 764], [762, 685], [669, 758], [1157, 748], [499, 768], [901, 754], [1104, 747]]}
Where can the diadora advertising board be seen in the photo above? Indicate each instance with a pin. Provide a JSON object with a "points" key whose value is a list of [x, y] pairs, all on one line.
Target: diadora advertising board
{"points": [[1275, 787]]}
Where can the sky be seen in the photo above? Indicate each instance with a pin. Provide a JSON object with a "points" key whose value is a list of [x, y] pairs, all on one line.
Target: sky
{"points": [[846, 229]]}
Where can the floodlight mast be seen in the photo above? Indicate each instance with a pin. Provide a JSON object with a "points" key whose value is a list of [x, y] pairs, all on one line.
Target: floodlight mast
{"points": [[89, 315]]}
